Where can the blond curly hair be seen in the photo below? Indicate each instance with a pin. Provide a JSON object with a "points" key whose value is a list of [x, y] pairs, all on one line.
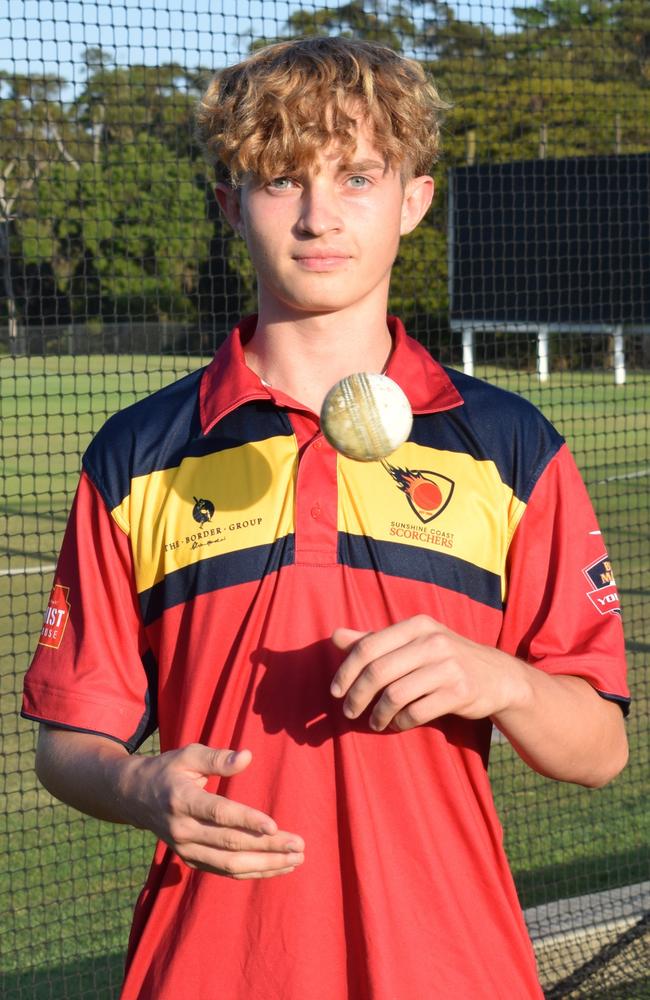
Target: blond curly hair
{"points": [[273, 112]]}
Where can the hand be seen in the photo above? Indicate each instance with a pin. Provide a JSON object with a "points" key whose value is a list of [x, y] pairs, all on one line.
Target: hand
{"points": [[422, 670], [210, 832]]}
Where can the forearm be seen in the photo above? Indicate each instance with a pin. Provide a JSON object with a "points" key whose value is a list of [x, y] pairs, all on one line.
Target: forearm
{"points": [[418, 670], [91, 773], [561, 727], [166, 794]]}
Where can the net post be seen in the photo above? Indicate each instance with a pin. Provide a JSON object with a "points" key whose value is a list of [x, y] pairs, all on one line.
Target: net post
{"points": [[468, 350], [619, 355], [542, 352]]}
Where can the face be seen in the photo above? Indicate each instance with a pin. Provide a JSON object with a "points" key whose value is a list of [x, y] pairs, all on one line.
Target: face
{"points": [[325, 240]]}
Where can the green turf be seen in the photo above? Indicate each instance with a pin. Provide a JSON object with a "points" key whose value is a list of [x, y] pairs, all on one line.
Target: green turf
{"points": [[563, 840], [98, 977], [638, 990], [68, 884]]}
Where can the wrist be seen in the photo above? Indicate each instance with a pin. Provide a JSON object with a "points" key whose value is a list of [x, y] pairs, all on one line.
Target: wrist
{"points": [[125, 777], [518, 689]]}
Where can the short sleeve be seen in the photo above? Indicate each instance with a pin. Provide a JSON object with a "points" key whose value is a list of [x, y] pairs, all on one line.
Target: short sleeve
{"points": [[562, 610], [92, 670]]}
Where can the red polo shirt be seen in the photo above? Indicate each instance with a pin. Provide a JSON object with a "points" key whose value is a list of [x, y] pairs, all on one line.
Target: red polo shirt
{"points": [[215, 543]]}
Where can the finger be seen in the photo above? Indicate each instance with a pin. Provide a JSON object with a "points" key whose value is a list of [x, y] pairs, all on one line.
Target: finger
{"points": [[230, 762], [427, 709], [271, 874], [218, 811], [373, 645], [234, 839], [400, 674], [345, 638], [210, 760], [378, 678], [245, 864], [402, 702]]}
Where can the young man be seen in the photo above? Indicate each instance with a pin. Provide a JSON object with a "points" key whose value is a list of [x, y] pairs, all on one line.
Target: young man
{"points": [[324, 645]]}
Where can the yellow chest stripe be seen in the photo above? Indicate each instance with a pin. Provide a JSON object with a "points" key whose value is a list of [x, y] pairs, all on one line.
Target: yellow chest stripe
{"points": [[224, 502], [475, 519], [244, 496]]}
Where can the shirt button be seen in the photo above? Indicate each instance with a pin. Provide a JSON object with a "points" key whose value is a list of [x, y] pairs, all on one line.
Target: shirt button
{"points": [[318, 444], [315, 511]]}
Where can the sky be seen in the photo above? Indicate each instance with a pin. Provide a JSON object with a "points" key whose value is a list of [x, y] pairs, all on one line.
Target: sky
{"points": [[48, 36]]}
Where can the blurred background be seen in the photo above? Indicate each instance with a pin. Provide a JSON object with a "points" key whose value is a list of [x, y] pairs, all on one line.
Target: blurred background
{"points": [[118, 276]]}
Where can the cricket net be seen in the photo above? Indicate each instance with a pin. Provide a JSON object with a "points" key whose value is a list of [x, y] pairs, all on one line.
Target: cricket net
{"points": [[117, 276]]}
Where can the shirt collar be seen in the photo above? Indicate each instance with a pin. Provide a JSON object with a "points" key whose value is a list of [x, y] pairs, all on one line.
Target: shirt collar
{"points": [[228, 382]]}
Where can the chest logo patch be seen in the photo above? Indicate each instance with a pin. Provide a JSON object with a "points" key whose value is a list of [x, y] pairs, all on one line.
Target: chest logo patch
{"points": [[56, 617], [203, 512], [427, 493]]}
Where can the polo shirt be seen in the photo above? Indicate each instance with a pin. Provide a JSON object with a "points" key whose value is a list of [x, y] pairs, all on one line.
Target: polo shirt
{"points": [[215, 542]]}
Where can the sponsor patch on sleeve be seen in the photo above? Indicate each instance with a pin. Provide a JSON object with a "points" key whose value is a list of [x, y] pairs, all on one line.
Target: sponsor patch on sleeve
{"points": [[56, 617], [603, 595]]}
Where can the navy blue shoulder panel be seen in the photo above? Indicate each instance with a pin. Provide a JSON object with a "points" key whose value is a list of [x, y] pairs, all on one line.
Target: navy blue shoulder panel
{"points": [[158, 432], [151, 434], [493, 425]]}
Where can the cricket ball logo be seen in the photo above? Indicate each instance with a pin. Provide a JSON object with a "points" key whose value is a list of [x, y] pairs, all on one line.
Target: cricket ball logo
{"points": [[428, 493], [203, 510]]}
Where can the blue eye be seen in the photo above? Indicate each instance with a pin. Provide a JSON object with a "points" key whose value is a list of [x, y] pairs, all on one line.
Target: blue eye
{"points": [[358, 181], [281, 183]]}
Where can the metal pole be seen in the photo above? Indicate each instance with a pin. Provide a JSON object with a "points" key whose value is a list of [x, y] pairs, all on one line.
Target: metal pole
{"points": [[468, 350], [619, 355], [542, 352]]}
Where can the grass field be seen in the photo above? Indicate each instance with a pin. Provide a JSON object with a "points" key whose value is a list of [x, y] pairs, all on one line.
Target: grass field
{"points": [[68, 884]]}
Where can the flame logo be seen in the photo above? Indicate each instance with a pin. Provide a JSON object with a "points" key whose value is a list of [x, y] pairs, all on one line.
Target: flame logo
{"points": [[428, 493]]}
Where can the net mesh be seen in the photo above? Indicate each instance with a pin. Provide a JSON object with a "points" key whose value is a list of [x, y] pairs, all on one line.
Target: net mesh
{"points": [[117, 276]]}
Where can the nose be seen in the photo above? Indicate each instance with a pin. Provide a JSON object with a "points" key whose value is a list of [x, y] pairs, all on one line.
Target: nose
{"points": [[319, 210]]}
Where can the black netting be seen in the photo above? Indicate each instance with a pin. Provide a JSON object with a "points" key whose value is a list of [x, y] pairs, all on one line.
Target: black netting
{"points": [[117, 276]]}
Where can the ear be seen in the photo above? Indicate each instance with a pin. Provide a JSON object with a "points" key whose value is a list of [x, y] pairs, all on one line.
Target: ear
{"points": [[230, 204], [418, 195]]}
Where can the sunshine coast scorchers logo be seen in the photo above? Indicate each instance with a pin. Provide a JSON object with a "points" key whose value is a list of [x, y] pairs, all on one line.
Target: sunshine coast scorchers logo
{"points": [[428, 493]]}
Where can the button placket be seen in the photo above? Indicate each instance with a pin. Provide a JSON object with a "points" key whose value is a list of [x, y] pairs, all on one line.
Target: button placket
{"points": [[317, 503]]}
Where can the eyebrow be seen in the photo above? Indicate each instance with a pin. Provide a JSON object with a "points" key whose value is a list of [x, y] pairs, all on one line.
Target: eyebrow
{"points": [[362, 165]]}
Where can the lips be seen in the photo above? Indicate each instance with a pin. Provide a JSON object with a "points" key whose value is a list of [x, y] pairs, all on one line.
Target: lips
{"points": [[321, 260]]}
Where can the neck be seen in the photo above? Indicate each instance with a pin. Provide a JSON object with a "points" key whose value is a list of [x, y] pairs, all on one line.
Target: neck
{"points": [[305, 355]]}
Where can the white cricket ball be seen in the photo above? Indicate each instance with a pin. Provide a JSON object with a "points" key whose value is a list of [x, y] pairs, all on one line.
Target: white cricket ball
{"points": [[366, 416]]}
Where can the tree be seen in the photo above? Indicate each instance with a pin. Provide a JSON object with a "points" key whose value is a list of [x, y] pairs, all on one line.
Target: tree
{"points": [[630, 22], [119, 103], [34, 135], [135, 222], [379, 22], [537, 90]]}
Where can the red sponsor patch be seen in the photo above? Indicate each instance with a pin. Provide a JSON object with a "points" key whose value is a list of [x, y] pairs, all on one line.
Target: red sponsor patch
{"points": [[601, 576], [605, 599], [56, 617]]}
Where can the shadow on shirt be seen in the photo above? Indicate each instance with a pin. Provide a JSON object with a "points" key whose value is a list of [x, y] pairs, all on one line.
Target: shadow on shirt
{"points": [[294, 696]]}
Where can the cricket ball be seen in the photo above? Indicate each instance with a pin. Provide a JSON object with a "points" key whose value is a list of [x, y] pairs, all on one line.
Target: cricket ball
{"points": [[366, 416]]}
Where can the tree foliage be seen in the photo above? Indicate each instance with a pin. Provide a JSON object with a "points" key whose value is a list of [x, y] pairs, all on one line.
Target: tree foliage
{"points": [[105, 200]]}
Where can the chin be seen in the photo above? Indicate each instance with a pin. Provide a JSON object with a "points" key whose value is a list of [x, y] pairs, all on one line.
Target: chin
{"points": [[318, 302], [317, 307]]}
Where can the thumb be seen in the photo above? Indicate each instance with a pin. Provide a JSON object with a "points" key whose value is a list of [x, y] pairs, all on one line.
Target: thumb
{"points": [[345, 638], [225, 762]]}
